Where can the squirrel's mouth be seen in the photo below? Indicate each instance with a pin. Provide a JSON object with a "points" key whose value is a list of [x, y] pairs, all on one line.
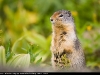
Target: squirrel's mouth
{"points": [[53, 22]]}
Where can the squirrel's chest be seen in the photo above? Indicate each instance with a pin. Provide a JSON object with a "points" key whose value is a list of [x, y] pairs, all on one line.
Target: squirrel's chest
{"points": [[62, 42]]}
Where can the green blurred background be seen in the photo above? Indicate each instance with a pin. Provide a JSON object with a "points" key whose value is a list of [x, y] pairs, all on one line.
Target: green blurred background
{"points": [[27, 23]]}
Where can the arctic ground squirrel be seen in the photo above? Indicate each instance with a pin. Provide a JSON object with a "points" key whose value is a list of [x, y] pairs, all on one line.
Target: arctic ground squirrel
{"points": [[65, 47]]}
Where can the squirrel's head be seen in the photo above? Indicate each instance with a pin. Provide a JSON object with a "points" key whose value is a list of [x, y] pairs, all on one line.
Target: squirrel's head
{"points": [[61, 17]]}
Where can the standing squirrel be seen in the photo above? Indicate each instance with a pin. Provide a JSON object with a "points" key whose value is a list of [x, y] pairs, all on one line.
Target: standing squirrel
{"points": [[65, 46]]}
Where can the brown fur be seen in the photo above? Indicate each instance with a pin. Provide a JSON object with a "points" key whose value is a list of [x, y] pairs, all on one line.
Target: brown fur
{"points": [[65, 42]]}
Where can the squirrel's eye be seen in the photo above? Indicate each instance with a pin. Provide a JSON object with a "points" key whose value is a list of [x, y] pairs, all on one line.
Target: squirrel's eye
{"points": [[61, 15]]}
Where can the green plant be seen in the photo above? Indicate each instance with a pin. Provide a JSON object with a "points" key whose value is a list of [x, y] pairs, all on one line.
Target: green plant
{"points": [[9, 58]]}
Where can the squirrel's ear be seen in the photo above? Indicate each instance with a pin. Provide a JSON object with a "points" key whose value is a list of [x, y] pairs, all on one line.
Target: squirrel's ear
{"points": [[69, 13]]}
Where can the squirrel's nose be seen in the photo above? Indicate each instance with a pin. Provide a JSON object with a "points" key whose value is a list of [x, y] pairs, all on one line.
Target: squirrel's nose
{"points": [[51, 19]]}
